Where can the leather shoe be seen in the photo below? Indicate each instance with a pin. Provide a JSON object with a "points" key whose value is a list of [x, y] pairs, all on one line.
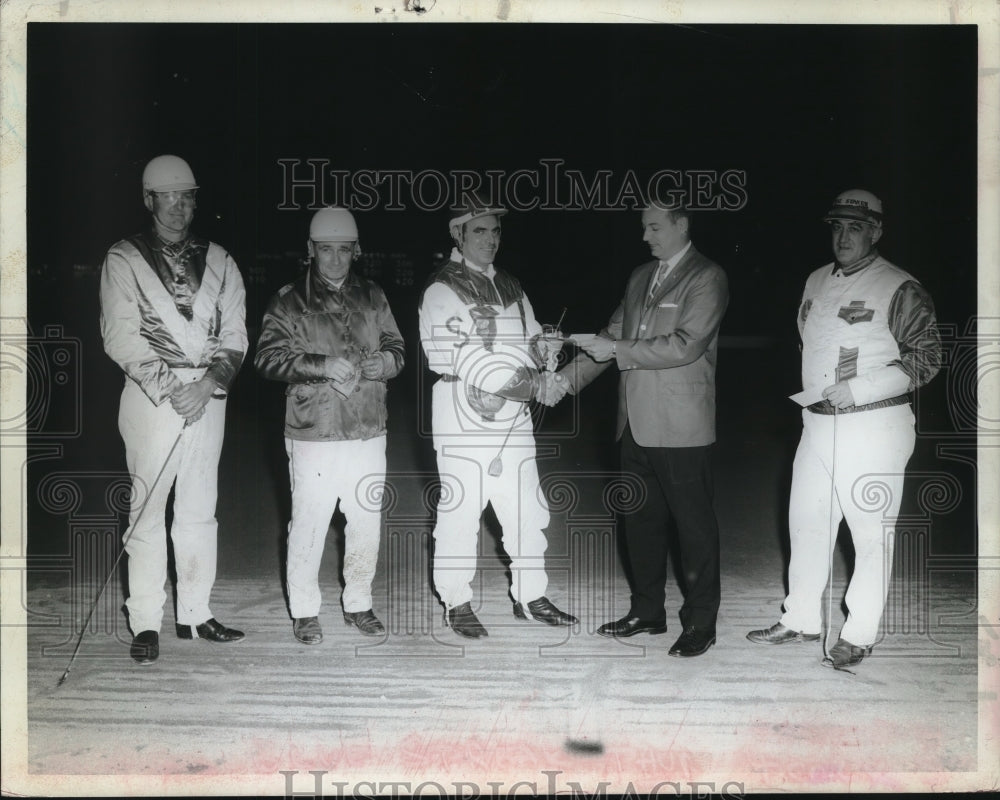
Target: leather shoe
{"points": [[365, 621], [145, 647], [211, 630], [693, 642], [630, 626], [543, 610], [465, 623], [779, 634], [307, 630], [844, 654]]}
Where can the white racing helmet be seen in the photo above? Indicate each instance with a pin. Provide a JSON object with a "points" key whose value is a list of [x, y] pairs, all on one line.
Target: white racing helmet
{"points": [[333, 224], [167, 174]]}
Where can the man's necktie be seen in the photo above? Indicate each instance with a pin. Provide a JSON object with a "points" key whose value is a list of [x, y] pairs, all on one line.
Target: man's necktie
{"points": [[657, 279]]}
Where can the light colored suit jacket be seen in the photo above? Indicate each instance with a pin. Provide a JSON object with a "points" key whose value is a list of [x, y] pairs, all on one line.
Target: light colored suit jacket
{"points": [[666, 352]]}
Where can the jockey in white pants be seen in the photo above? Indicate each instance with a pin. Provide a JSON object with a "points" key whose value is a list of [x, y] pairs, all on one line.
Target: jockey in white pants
{"points": [[869, 337], [480, 335], [332, 338], [172, 317]]}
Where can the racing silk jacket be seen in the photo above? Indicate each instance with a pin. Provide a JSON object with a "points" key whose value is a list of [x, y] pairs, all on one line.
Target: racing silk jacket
{"points": [[167, 307], [479, 332], [872, 325], [309, 320]]}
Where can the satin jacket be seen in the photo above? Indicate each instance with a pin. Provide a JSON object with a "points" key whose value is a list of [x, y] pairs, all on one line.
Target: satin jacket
{"points": [[147, 330], [307, 321], [479, 332]]}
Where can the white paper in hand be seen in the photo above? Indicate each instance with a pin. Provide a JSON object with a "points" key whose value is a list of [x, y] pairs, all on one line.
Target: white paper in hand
{"points": [[807, 397]]}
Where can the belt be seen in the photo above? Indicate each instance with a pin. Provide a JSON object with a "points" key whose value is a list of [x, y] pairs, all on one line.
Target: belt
{"points": [[827, 408], [189, 374]]}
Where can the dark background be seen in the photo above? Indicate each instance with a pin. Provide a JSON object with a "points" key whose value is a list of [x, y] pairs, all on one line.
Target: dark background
{"points": [[805, 111]]}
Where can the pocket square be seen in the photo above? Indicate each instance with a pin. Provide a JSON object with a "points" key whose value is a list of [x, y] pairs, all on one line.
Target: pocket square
{"points": [[667, 305]]}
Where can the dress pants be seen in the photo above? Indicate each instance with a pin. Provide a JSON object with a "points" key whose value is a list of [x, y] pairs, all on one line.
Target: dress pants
{"points": [[678, 483], [854, 463], [352, 470], [149, 431]]}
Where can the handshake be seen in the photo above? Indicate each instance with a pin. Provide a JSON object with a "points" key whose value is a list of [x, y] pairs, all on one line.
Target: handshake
{"points": [[552, 387]]}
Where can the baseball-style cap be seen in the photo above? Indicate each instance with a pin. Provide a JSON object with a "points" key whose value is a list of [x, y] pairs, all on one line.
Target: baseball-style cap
{"points": [[473, 207], [856, 204]]}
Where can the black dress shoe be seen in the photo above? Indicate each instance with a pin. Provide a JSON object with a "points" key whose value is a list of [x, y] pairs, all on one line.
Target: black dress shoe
{"points": [[630, 626], [844, 654], [465, 623], [365, 621], [307, 630], [693, 642], [145, 647], [543, 610], [779, 634], [211, 630]]}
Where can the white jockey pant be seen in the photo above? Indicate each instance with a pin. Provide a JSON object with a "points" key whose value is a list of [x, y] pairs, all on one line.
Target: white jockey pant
{"points": [[868, 459], [149, 432], [517, 502], [320, 473]]}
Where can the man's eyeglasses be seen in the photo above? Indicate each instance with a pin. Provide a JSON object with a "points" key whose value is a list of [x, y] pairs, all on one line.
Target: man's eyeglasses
{"points": [[186, 196]]}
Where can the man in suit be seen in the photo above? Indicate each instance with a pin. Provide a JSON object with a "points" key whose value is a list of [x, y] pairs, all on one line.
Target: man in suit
{"points": [[663, 337]]}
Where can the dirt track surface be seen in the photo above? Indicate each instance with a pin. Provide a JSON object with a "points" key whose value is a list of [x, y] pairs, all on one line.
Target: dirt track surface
{"points": [[427, 705], [530, 703]]}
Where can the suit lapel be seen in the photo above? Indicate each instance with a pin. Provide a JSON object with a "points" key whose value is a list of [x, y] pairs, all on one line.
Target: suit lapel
{"points": [[682, 268], [647, 304], [638, 298]]}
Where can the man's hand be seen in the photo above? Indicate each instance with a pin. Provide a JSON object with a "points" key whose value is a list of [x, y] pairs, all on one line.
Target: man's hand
{"points": [[551, 388], [839, 394], [600, 348], [338, 369], [373, 367], [190, 399]]}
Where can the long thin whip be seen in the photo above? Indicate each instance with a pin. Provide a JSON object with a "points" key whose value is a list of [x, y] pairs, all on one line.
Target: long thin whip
{"points": [[111, 572]]}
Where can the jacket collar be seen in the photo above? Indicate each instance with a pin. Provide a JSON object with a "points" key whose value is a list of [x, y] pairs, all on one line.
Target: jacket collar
{"points": [[681, 268], [316, 286]]}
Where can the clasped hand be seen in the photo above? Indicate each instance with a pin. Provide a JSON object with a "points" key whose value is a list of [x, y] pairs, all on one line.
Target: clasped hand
{"points": [[190, 399], [551, 388]]}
